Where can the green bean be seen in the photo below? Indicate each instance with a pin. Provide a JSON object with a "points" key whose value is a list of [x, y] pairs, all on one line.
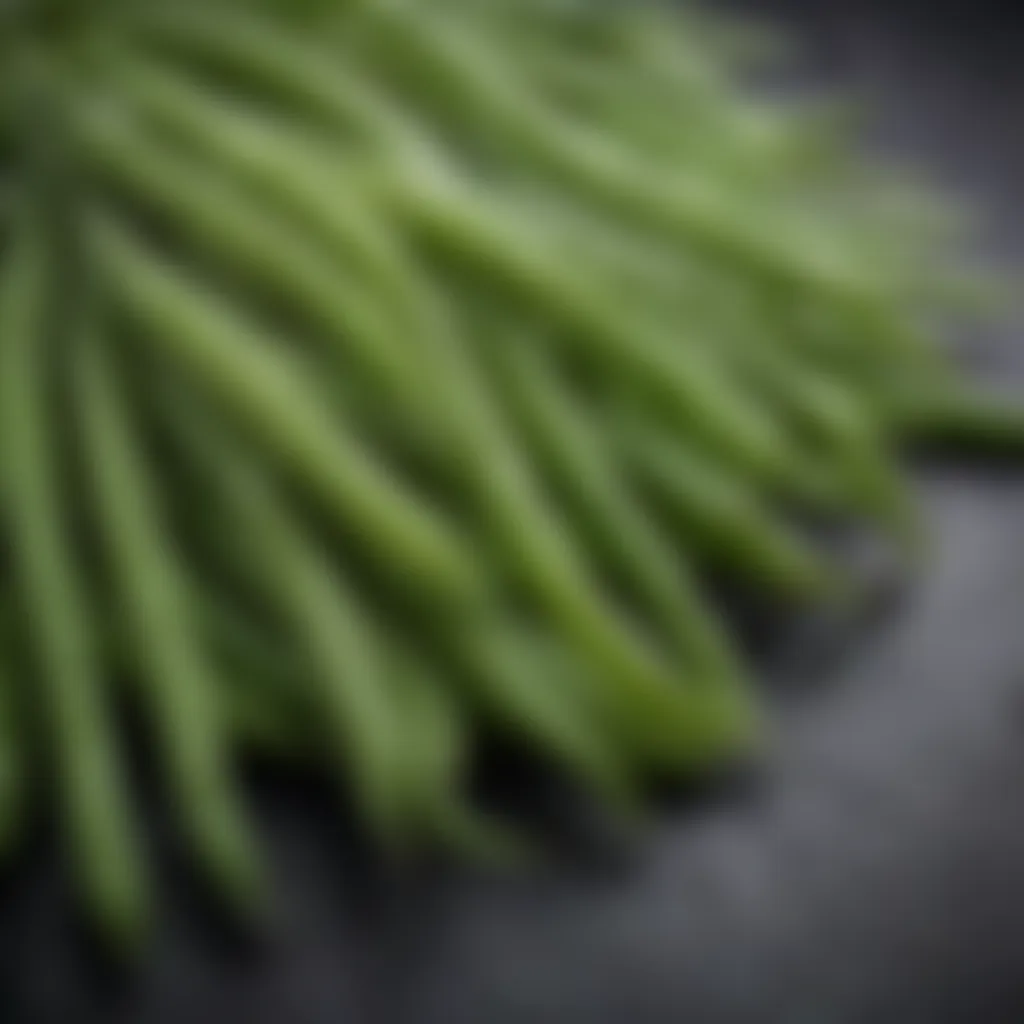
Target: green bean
{"points": [[369, 362], [512, 693], [259, 684], [75, 700], [839, 421], [701, 399], [783, 381], [474, 78], [533, 716], [731, 524], [253, 149], [662, 285], [258, 674], [177, 685], [660, 292], [695, 209], [962, 418], [539, 545], [694, 123], [691, 380], [657, 570], [848, 430], [218, 215], [347, 673], [438, 767], [256, 723], [467, 344], [438, 744], [232, 358], [663, 292], [276, 162], [765, 145], [433, 746], [545, 556], [555, 569], [270, 57]]}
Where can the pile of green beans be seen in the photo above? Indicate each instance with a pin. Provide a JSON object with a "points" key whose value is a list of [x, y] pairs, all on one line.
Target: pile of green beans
{"points": [[379, 376]]}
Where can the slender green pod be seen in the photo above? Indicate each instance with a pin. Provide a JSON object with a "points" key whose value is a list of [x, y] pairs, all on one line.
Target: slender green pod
{"points": [[346, 678], [965, 419], [275, 61], [538, 545], [217, 215], [233, 360], [481, 235], [508, 689], [439, 766], [468, 76], [258, 680], [657, 570], [840, 422], [175, 678], [75, 700], [734, 528]]}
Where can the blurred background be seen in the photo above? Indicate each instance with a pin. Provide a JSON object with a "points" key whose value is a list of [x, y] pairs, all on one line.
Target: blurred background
{"points": [[876, 876]]}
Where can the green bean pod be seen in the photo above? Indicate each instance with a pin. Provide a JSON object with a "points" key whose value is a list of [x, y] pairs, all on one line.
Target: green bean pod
{"points": [[259, 685], [234, 361], [175, 678], [962, 419], [656, 570], [472, 77], [346, 679], [73, 691], [700, 398], [438, 765], [274, 62], [267, 250], [735, 529], [542, 715]]}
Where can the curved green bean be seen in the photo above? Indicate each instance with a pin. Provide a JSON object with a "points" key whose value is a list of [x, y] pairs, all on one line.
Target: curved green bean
{"points": [[175, 677], [347, 679], [76, 701], [233, 359], [657, 571]]}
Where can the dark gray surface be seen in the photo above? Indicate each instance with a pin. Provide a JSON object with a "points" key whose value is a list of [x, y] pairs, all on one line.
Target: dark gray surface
{"points": [[875, 877]]}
